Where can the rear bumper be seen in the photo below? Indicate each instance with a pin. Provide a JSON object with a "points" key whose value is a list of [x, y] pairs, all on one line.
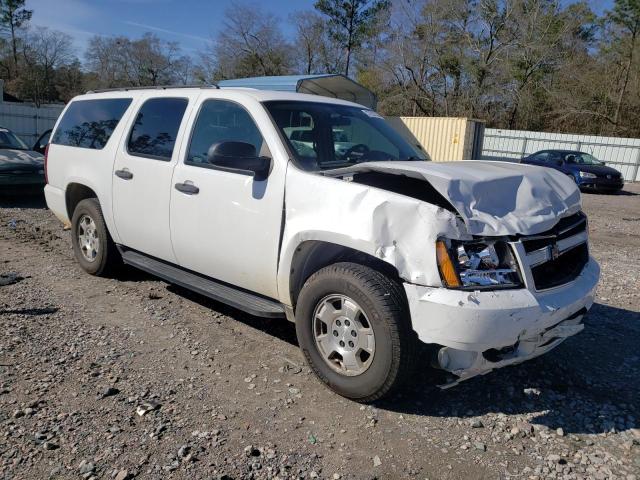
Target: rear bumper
{"points": [[56, 202], [484, 330]]}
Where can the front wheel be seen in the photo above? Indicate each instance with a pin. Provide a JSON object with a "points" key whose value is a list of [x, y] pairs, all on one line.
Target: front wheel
{"points": [[353, 327]]}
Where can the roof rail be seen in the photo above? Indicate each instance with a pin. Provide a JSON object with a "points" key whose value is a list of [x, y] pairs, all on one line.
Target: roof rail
{"points": [[156, 87]]}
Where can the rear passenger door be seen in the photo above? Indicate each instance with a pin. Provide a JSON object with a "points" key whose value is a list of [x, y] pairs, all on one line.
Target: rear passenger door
{"points": [[143, 169]]}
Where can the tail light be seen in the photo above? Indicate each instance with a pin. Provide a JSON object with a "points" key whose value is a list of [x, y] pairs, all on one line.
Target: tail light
{"points": [[46, 154]]}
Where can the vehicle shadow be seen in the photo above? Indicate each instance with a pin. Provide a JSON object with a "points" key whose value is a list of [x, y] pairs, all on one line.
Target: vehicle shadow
{"points": [[622, 193], [627, 193], [570, 387], [127, 273], [28, 200], [281, 329], [588, 384], [30, 311]]}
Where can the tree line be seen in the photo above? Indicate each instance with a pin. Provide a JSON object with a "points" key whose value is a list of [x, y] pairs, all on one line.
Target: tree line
{"points": [[520, 64]]}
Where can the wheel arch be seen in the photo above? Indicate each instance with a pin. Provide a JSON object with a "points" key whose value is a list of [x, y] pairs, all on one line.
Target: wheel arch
{"points": [[310, 256], [75, 193]]}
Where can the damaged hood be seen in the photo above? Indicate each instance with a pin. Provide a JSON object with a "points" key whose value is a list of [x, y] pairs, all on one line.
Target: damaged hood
{"points": [[493, 198]]}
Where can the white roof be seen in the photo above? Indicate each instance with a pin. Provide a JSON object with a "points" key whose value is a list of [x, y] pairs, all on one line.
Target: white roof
{"points": [[259, 95]]}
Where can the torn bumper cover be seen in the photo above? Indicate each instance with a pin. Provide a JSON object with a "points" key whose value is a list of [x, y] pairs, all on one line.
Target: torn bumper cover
{"points": [[482, 331]]}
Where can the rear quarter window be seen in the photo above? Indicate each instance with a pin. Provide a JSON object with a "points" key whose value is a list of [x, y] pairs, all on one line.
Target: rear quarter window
{"points": [[90, 123]]}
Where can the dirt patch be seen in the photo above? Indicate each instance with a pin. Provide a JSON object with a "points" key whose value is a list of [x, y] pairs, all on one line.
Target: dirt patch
{"points": [[130, 377]]}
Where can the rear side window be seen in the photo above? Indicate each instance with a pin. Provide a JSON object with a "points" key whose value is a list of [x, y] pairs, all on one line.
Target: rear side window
{"points": [[156, 127], [90, 123]]}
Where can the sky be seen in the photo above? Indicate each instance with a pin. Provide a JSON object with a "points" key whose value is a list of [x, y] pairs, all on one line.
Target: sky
{"points": [[192, 23]]}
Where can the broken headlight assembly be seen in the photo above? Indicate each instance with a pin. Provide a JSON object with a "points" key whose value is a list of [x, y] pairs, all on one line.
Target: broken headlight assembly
{"points": [[477, 265]]}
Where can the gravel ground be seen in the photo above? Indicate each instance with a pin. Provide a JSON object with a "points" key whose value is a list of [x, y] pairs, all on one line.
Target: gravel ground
{"points": [[131, 378]]}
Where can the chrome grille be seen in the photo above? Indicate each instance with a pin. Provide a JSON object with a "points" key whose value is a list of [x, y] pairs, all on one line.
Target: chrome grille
{"points": [[555, 257]]}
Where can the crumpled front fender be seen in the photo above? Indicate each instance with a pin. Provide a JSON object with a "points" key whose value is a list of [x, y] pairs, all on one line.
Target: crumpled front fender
{"points": [[397, 229]]}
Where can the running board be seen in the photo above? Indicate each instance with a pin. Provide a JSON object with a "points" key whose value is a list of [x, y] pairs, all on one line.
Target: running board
{"points": [[232, 296]]}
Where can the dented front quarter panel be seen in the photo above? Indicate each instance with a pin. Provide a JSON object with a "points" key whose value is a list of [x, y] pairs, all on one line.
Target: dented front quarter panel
{"points": [[397, 229]]}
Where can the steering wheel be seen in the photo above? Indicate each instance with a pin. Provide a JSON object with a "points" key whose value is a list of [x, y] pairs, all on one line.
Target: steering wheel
{"points": [[360, 150]]}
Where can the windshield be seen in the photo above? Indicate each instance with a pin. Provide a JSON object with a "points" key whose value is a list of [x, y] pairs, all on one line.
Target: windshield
{"points": [[9, 140], [583, 159], [324, 136]]}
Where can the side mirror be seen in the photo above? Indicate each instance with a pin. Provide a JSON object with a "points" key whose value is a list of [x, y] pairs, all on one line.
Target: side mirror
{"points": [[38, 147], [239, 157]]}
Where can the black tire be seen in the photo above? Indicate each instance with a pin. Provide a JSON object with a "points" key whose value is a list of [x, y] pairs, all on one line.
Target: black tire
{"points": [[384, 303], [107, 258]]}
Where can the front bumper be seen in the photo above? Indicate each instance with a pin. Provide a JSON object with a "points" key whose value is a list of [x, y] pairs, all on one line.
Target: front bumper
{"points": [[604, 184], [484, 330]]}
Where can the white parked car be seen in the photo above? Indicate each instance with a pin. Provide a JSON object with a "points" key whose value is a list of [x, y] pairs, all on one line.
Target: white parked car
{"points": [[368, 249]]}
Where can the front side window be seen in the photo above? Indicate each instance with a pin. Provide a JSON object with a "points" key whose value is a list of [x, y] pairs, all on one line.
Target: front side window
{"points": [[583, 159], [324, 136], [221, 121], [156, 127], [90, 123], [9, 140]]}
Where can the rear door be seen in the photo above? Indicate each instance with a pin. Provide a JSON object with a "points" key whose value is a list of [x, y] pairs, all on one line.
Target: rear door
{"points": [[143, 169]]}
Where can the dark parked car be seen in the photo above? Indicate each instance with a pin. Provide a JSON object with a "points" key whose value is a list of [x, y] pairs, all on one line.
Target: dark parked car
{"points": [[21, 169], [587, 171]]}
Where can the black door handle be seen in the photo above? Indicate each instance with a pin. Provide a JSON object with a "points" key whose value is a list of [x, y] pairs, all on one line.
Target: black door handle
{"points": [[188, 188], [124, 174]]}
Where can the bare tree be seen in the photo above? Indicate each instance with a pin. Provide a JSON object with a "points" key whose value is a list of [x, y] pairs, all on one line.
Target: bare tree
{"points": [[626, 16], [44, 51], [315, 51], [250, 44], [121, 61]]}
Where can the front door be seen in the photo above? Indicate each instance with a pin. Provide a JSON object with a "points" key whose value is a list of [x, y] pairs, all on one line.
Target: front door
{"points": [[225, 224], [142, 174]]}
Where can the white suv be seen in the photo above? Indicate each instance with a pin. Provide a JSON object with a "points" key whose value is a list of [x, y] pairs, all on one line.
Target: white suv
{"points": [[315, 209]]}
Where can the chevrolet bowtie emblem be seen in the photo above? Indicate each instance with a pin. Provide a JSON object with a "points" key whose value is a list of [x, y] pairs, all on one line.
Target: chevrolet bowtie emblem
{"points": [[555, 251]]}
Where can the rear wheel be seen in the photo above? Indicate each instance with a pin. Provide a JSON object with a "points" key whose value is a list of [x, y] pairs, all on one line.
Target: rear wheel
{"points": [[353, 328], [92, 245]]}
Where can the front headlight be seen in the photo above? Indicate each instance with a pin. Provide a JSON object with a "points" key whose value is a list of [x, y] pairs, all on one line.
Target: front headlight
{"points": [[587, 175], [476, 265]]}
